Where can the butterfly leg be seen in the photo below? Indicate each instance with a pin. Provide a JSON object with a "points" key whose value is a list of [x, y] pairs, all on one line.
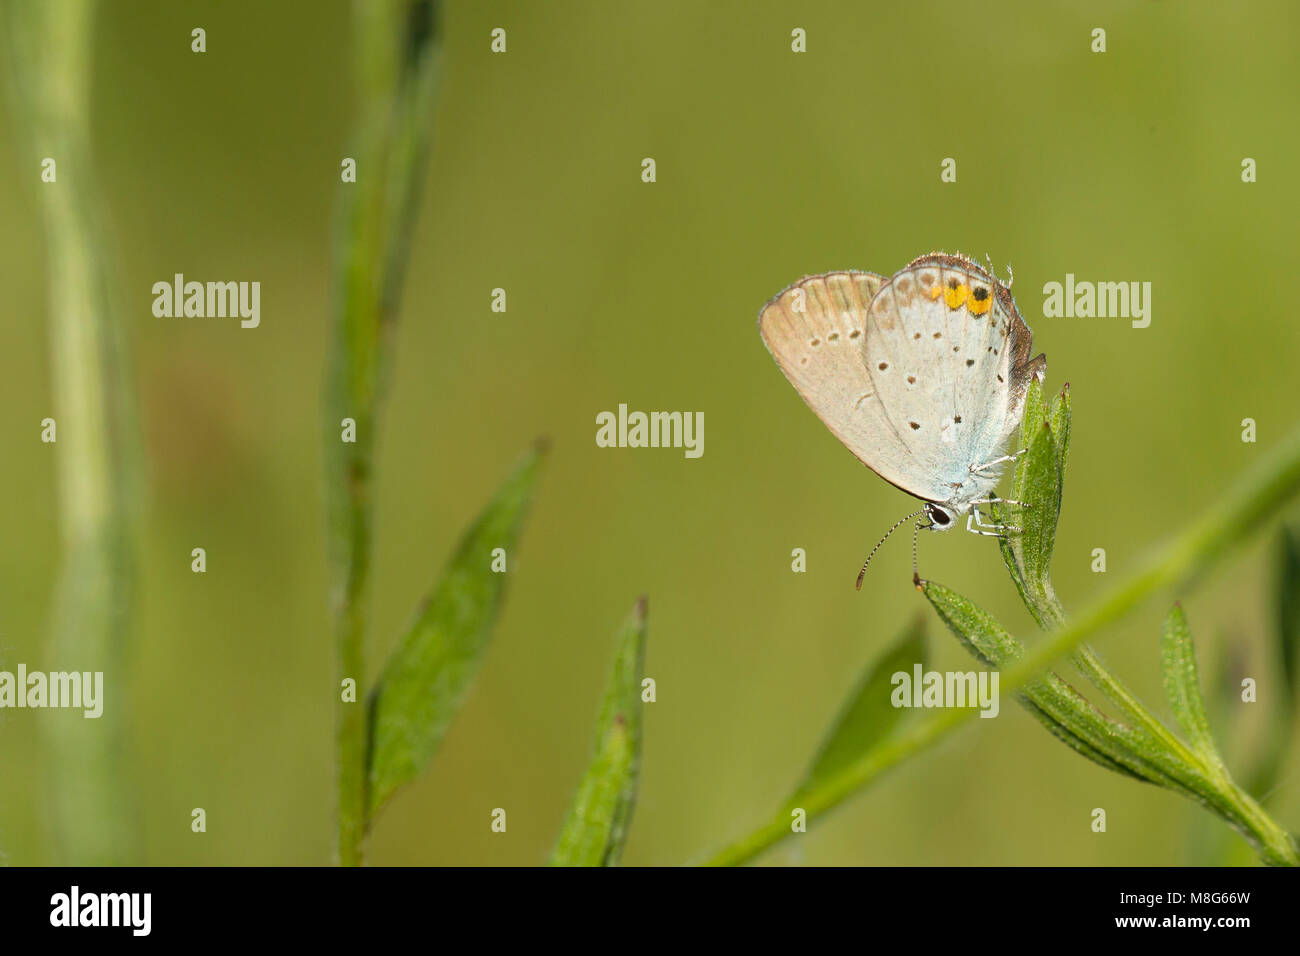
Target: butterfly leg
{"points": [[980, 530], [992, 499], [975, 469], [976, 525]]}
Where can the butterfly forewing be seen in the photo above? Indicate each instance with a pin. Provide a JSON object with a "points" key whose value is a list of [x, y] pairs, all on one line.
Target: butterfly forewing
{"points": [[816, 330]]}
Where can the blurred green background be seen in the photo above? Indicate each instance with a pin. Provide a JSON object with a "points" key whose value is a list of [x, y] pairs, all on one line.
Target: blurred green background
{"points": [[771, 165]]}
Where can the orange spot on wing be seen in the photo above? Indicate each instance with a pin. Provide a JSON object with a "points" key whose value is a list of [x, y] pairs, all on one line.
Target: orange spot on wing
{"points": [[977, 306], [955, 297]]}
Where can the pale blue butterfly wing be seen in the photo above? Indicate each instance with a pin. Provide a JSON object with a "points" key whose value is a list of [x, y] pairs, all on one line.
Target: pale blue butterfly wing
{"points": [[815, 329], [935, 379], [949, 357]]}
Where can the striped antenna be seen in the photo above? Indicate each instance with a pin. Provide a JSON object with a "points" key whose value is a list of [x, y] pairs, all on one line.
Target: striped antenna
{"points": [[897, 524]]}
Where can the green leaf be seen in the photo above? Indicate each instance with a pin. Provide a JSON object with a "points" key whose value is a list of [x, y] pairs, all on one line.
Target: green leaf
{"points": [[1059, 418], [867, 716], [1182, 686], [596, 826], [425, 680], [1039, 480], [1057, 705]]}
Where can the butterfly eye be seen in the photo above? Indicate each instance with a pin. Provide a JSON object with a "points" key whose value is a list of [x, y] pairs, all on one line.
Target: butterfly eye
{"points": [[938, 516]]}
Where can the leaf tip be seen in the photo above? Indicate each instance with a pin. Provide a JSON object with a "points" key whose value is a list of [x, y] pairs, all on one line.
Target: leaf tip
{"points": [[642, 606], [542, 446]]}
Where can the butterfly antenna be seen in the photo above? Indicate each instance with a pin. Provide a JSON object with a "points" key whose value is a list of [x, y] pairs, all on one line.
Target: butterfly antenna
{"points": [[897, 524], [916, 533]]}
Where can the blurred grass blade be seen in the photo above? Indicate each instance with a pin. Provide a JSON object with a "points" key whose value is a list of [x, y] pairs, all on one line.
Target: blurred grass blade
{"points": [[1288, 611], [596, 826], [49, 49], [425, 680], [1062, 709], [867, 716], [1182, 685], [395, 45], [1275, 752], [1039, 480]]}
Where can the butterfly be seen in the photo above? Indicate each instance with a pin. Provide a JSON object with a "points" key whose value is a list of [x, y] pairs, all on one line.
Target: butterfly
{"points": [[922, 376]]}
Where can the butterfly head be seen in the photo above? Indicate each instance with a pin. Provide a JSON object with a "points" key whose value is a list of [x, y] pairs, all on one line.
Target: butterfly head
{"points": [[942, 518]]}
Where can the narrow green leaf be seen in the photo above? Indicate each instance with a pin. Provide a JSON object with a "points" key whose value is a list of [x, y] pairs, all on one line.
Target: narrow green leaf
{"points": [[1035, 412], [425, 680], [1059, 419], [1039, 480], [596, 826], [1071, 740], [1182, 686], [1062, 709], [977, 631], [867, 716]]}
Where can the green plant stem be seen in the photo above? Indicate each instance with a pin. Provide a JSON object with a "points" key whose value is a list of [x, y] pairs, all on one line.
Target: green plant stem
{"points": [[1240, 512], [90, 811], [395, 41]]}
